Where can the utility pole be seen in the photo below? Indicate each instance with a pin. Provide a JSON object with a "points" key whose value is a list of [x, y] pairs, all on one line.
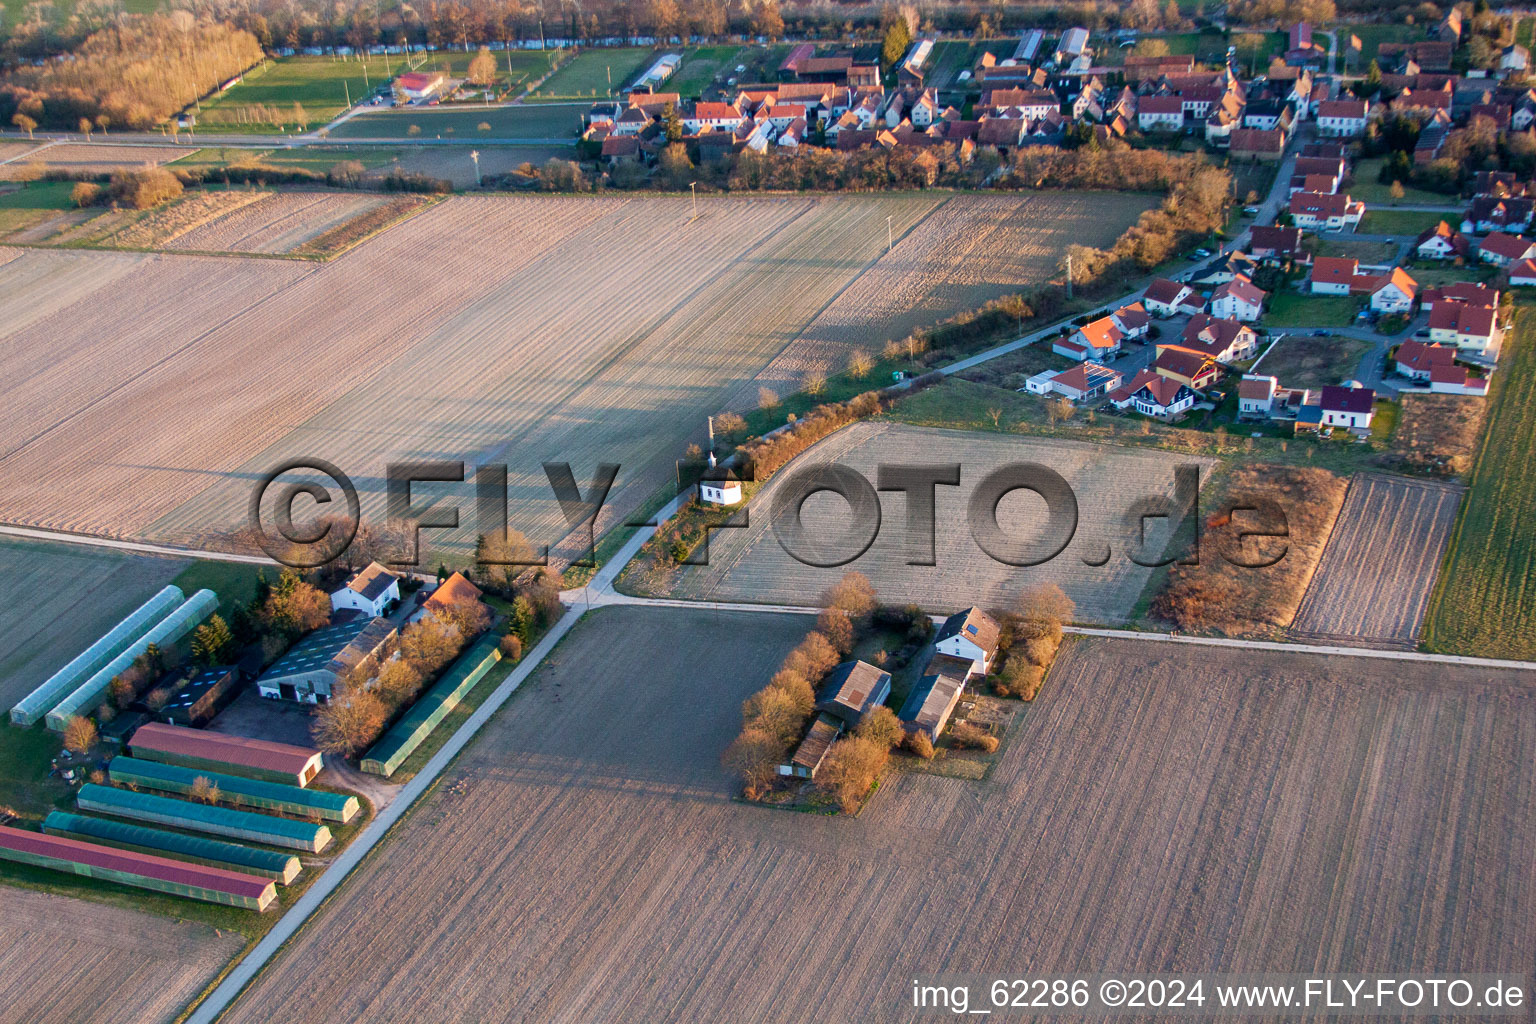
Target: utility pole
{"points": [[474, 155], [693, 192], [1069, 277], [888, 240], [348, 88]]}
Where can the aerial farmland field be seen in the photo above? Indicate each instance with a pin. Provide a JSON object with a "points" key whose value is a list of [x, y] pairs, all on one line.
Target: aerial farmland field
{"points": [[69, 960], [751, 565], [1379, 567], [1158, 808], [454, 334], [595, 73], [541, 123], [72, 596]]}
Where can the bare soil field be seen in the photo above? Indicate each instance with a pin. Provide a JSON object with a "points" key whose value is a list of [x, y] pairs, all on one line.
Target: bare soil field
{"points": [[517, 329], [1381, 561], [1155, 809], [68, 596], [93, 157], [161, 226], [751, 565], [454, 163], [969, 251], [73, 962], [276, 222]]}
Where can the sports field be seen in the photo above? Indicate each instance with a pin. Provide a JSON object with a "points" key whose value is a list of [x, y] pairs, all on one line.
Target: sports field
{"points": [[1108, 481], [593, 74], [1155, 810], [263, 101], [455, 334], [549, 121]]}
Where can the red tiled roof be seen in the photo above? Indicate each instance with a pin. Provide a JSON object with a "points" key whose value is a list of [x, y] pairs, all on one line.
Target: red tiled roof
{"points": [[1165, 291], [1334, 269], [1160, 105], [213, 746], [150, 866], [1341, 108], [1510, 247], [1418, 356]]}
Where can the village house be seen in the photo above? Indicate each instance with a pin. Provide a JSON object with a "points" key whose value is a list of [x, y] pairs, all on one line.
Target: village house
{"points": [[1472, 293], [1435, 365], [970, 636], [1225, 341], [1275, 243], [1256, 396], [371, 592], [1498, 213], [1441, 242], [1332, 275], [1096, 341], [1350, 408], [418, 86], [1160, 114], [1081, 383], [1523, 274], [1152, 394], [1342, 118], [1267, 146], [1503, 250], [456, 589], [1471, 329], [1195, 371], [1393, 292], [1133, 320], [1320, 212], [1238, 299], [1165, 298]]}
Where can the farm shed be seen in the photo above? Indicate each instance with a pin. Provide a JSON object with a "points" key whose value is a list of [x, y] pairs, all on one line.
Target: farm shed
{"points": [[166, 632], [219, 752], [282, 867], [852, 689], [95, 657], [433, 706], [233, 789], [933, 699], [313, 667], [218, 821], [203, 696], [145, 871]]}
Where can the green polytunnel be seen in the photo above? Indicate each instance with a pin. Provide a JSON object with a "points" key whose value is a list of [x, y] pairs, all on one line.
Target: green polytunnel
{"points": [[281, 867], [432, 707], [234, 789], [219, 821]]}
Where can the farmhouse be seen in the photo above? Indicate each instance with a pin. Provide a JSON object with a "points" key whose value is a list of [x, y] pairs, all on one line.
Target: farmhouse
{"points": [[312, 670], [1238, 299], [1160, 114], [1257, 143], [371, 592], [1164, 297], [852, 690], [453, 590], [933, 697], [969, 636], [220, 752], [1441, 242], [1502, 250]]}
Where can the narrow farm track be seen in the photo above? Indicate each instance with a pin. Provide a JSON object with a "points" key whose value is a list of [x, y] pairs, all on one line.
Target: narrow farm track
{"points": [[1378, 570]]}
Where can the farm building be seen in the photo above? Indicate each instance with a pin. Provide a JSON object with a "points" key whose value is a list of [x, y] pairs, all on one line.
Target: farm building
{"points": [[452, 590], [658, 72], [218, 752], [807, 758], [371, 591], [934, 696], [88, 695], [415, 86], [234, 789], [312, 669], [969, 636], [218, 821], [432, 707], [852, 690], [142, 870], [203, 696], [281, 867], [96, 657]]}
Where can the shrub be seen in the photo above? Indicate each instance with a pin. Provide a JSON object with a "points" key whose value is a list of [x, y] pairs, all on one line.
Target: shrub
{"points": [[511, 647], [755, 756], [145, 188], [79, 734], [853, 595], [881, 727], [796, 686], [1019, 678], [814, 658], [849, 770], [919, 744], [967, 736], [1039, 650], [777, 713], [85, 194], [837, 628]]}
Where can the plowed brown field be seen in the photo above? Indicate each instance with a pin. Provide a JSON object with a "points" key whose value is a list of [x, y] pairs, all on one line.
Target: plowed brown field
{"points": [[277, 223], [516, 329], [73, 962], [1156, 809]]}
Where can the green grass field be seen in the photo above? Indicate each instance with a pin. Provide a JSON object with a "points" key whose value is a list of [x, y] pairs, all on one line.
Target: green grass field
{"points": [[1484, 603], [701, 66], [1412, 223], [314, 158], [514, 122], [32, 203], [1292, 309], [1372, 192], [593, 74], [320, 85]]}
